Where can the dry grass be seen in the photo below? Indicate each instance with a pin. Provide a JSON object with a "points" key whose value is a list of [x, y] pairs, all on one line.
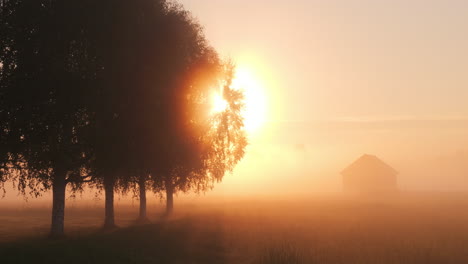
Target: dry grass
{"points": [[403, 230]]}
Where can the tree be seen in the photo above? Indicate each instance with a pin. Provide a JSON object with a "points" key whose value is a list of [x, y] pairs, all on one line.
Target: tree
{"points": [[44, 122], [152, 82], [226, 138], [155, 73], [192, 69], [197, 148], [127, 48], [3, 113], [137, 184], [113, 92], [217, 145]]}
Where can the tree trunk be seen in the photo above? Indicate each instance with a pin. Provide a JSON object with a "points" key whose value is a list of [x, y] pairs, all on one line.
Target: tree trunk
{"points": [[58, 205], [109, 221], [169, 198], [142, 186]]}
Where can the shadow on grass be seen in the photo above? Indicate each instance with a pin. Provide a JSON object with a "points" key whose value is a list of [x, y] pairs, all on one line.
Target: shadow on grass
{"points": [[174, 241]]}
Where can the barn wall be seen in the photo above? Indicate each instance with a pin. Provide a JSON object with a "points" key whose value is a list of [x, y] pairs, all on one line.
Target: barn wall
{"points": [[370, 182]]}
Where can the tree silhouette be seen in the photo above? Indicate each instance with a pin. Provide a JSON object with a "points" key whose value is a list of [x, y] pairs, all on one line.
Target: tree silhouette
{"points": [[211, 144], [113, 93], [143, 54], [223, 142], [3, 113], [226, 136], [44, 122], [152, 118], [192, 69], [163, 117], [125, 48]]}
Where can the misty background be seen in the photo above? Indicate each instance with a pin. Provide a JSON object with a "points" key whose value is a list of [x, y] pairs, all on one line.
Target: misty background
{"points": [[344, 78], [349, 77]]}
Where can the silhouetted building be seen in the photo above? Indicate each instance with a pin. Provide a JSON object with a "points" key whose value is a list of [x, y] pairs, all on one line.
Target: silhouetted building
{"points": [[369, 174]]}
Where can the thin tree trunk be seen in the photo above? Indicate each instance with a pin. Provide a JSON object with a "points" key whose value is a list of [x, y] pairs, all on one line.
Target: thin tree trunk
{"points": [[142, 186], [109, 221], [58, 205], [169, 198]]}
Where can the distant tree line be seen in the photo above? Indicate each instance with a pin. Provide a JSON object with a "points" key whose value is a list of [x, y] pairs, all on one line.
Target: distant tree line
{"points": [[112, 94]]}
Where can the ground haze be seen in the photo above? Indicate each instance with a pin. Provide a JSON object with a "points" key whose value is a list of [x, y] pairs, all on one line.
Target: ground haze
{"points": [[408, 228]]}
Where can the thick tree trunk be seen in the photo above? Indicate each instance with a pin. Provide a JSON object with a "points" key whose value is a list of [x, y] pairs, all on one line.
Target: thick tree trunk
{"points": [[169, 198], [58, 205], [109, 221], [142, 186]]}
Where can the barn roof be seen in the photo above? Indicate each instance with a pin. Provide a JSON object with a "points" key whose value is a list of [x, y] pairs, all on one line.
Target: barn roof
{"points": [[368, 163]]}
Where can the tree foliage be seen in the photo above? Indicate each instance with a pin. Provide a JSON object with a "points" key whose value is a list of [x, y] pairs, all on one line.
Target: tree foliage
{"points": [[115, 93], [43, 116]]}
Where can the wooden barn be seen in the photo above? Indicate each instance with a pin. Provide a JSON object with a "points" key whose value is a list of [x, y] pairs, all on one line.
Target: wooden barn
{"points": [[369, 174]]}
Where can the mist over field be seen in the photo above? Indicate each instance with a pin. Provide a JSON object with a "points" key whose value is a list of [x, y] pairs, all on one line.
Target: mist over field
{"points": [[234, 131], [305, 159], [331, 229]]}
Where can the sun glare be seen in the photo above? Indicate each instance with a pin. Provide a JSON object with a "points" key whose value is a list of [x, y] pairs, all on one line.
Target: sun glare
{"points": [[255, 102], [219, 104]]}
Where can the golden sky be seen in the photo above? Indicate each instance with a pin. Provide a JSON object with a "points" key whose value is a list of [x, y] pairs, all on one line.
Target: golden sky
{"points": [[331, 80], [346, 77], [331, 59]]}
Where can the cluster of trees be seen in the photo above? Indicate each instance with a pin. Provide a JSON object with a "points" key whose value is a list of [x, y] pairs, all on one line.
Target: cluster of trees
{"points": [[112, 94]]}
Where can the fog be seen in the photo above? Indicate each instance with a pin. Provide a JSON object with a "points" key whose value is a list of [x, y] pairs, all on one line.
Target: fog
{"points": [[345, 78], [339, 79], [355, 113], [307, 158]]}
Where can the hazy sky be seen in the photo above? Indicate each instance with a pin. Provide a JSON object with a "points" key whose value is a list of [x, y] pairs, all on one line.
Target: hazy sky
{"points": [[349, 77], [357, 59]]}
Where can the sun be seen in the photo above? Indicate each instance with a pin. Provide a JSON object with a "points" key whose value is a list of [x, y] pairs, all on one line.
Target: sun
{"points": [[218, 103], [255, 101], [254, 111]]}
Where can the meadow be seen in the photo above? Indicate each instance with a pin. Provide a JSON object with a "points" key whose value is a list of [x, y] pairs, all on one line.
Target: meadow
{"points": [[416, 228]]}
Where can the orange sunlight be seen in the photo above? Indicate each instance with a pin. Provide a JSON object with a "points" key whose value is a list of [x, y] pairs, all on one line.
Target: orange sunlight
{"points": [[255, 100], [218, 102]]}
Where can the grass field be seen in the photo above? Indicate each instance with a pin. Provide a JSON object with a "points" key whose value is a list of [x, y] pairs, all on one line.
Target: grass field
{"points": [[411, 229]]}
